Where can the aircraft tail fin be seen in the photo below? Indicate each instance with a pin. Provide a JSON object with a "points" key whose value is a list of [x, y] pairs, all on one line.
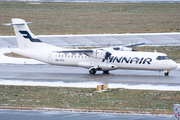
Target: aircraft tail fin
{"points": [[176, 108], [25, 38]]}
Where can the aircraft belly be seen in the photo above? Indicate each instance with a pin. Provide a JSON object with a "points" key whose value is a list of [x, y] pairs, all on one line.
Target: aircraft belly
{"points": [[155, 67], [74, 62]]}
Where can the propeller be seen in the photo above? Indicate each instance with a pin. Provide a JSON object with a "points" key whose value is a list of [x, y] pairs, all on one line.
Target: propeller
{"points": [[106, 56]]}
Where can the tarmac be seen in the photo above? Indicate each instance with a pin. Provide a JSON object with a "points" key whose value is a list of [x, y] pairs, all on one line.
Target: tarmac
{"points": [[50, 73]]}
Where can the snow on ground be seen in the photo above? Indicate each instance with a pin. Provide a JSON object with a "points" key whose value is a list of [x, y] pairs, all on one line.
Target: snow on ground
{"points": [[9, 60], [129, 34], [89, 85], [86, 35]]}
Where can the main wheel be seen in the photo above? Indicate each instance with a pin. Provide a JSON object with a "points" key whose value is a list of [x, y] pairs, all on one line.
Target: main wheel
{"points": [[92, 71], [105, 72]]}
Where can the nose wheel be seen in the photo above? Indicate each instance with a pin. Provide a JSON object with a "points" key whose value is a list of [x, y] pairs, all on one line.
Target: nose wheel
{"points": [[166, 73]]}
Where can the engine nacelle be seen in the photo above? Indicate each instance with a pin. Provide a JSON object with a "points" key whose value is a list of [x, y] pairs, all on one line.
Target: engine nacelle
{"points": [[107, 67], [100, 66], [101, 54], [121, 48]]}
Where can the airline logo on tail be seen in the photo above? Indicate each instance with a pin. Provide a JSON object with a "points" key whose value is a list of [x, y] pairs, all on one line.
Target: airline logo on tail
{"points": [[28, 36]]}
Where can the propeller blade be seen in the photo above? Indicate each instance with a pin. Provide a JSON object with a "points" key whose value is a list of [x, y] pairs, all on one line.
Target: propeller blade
{"points": [[106, 56]]}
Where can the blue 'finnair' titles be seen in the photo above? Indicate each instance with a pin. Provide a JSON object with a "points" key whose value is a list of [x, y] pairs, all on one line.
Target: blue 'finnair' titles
{"points": [[27, 35], [136, 60]]}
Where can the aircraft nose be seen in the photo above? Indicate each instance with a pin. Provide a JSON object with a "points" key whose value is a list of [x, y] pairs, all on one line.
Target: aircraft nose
{"points": [[173, 65]]}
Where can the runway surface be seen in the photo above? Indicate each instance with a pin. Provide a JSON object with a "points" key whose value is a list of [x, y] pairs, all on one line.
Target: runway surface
{"points": [[49, 73], [21, 71], [56, 115]]}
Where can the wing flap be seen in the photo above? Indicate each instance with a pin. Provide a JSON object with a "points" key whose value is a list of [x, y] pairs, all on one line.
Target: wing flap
{"points": [[134, 44]]}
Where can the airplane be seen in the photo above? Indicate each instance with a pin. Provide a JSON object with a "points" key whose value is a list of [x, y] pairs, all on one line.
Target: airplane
{"points": [[96, 59]]}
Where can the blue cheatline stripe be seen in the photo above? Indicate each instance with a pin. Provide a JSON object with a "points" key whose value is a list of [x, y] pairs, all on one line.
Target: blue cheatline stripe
{"points": [[27, 35]]}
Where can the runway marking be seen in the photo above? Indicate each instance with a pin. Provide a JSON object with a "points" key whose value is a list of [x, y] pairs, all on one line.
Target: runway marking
{"points": [[103, 77]]}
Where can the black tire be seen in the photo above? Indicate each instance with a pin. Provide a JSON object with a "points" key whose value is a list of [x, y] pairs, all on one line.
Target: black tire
{"points": [[92, 71], [166, 73], [105, 72]]}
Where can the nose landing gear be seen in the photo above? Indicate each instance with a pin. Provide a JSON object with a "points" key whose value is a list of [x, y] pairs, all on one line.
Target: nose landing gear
{"points": [[166, 73]]}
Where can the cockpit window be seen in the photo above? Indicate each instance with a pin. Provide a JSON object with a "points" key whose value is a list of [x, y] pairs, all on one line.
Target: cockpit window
{"points": [[162, 58]]}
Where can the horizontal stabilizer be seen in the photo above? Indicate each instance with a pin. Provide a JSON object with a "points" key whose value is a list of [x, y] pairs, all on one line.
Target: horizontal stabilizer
{"points": [[9, 24]]}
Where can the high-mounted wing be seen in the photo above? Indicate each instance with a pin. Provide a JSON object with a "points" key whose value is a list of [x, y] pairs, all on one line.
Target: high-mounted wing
{"points": [[76, 51], [95, 53], [125, 47], [134, 44], [99, 53]]}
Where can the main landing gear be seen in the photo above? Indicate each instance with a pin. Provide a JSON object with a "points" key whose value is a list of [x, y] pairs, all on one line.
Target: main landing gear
{"points": [[93, 71], [105, 72]]}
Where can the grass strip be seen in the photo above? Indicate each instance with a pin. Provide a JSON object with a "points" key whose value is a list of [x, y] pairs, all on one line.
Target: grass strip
{"points": [[88, 18], [114, 100]]}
